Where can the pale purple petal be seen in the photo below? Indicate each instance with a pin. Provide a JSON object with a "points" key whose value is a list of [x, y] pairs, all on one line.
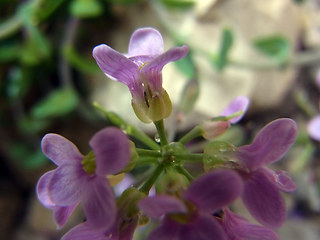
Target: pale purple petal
{"points": [[111, 148], [238, 227], [214, 190], [280, 179], [59, 149], [314, 128], [167, 230], [269, 145], [126, 182], [65, 185], [158, 206], [42, 190], [205, 227], [240, 103], [84, 231], [159, 62], [116, 65], [99, 203], [145, 41], [263, 200], [62, 214]]}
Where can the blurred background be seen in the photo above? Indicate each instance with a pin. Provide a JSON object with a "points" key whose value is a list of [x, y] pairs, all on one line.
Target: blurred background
{"points": [[268, 51]]}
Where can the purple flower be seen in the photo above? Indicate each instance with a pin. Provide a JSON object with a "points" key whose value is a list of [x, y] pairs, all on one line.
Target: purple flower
{"points": [[262, 186], [239, 228], [123, 227], [81, 178], [141, 70], [215, 128], [191, 217], [314, 128], [85, 231]]}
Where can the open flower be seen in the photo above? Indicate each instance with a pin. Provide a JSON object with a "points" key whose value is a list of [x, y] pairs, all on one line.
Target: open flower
{"points": [[81, 178], [262, 186], [123, 227], [141, 70], [191, 217], [233, 112], [239, 228]]}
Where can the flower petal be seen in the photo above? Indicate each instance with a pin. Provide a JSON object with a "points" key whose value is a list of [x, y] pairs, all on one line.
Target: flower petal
{"points": [[160, 205], [314, 128], [84, 231], [99, 203], [263, 200], [173, 54], [204, 228], [240, 103], [167, 230], [62, 214], [112, 150], [59, 149], [42, 190], [65, 185], [238, 227], [145, 41], [116, 65], [214, 190], [269, 145], [280, 179]]}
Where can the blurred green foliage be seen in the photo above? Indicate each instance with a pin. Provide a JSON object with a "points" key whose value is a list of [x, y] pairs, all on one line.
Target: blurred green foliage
{"points": [[221, 60], [276, 47]]}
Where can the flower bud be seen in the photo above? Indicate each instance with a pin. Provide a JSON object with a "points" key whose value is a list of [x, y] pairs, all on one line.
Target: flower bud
{"points": [[217, 153], [172, 183], [127, 203], [213, 129], [154, 107]]}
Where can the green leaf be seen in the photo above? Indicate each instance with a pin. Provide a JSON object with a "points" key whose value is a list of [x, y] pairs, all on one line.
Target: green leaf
{"points": [[36, 48], [29, 125], [178, 3], [86, 8], [80, 63], [18, 83], [10, 26], [58, 103], [25, 157], [48, 7], [189, 96], [302, 159], [225, 45], [124, 2], [186, 66], [276, 47], [9, 52]]}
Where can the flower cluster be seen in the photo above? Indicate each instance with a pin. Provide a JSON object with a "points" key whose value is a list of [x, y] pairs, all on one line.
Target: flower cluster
{"points": [[185, 205]]}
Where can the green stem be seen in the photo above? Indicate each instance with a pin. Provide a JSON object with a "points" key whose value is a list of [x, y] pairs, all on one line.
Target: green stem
{"points": [[10, 26], [144, 161], [148, 153], [149, 183], [195, 132], [129, 129], [184, 172], [161, 132], [144, 138], [188, 157]]}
